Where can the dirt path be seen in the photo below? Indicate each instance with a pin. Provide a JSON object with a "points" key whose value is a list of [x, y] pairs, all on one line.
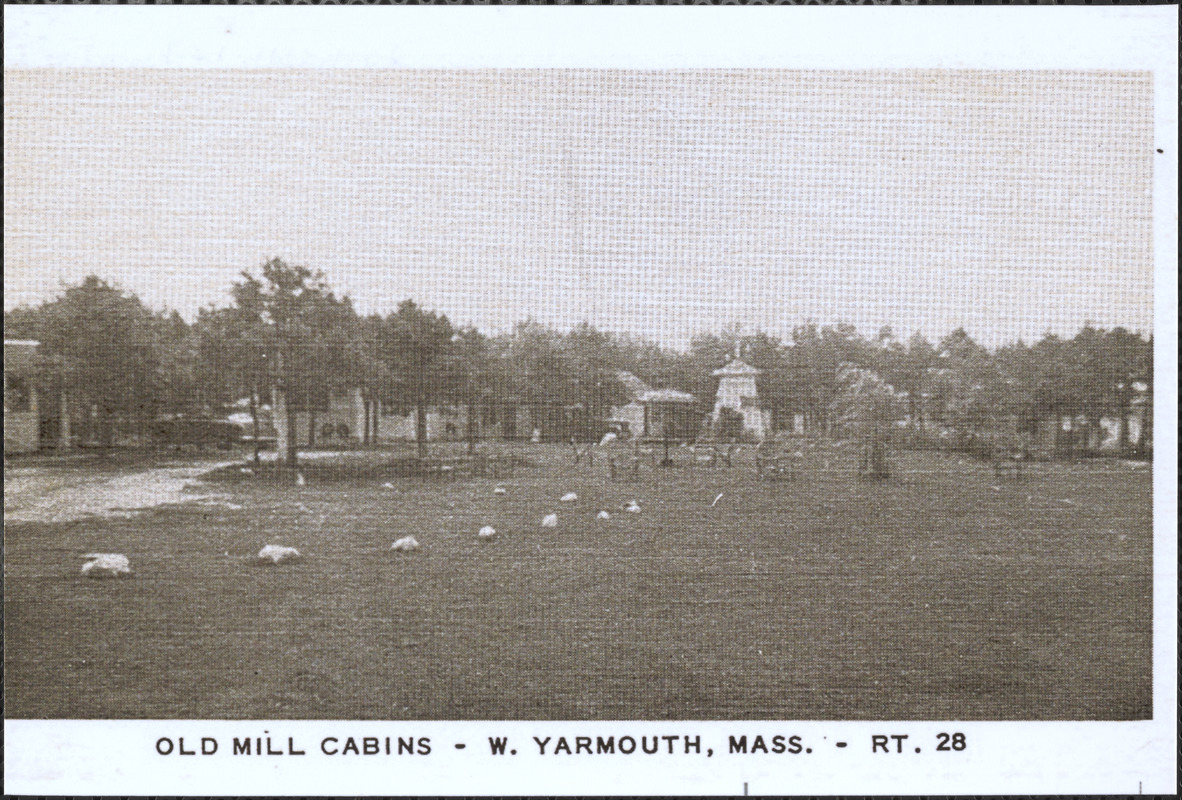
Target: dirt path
{"points": [[65, 493]]}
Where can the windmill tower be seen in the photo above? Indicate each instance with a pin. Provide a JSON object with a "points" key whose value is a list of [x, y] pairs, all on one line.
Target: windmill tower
{"points": [[737, 391]]}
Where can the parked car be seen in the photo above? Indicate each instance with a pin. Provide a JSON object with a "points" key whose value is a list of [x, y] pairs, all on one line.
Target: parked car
{"points": [[200, 432], [619, 427], [268, 436]]}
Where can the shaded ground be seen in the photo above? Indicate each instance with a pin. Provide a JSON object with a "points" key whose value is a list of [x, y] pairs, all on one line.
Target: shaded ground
{"points": [[940, 594]]}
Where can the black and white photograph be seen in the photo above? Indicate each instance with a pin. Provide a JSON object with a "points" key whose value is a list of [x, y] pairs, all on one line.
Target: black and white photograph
{"points": [[581, 395]]}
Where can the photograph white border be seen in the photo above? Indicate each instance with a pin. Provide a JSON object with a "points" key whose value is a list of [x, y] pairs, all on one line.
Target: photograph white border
{"points": [[59, 757]]}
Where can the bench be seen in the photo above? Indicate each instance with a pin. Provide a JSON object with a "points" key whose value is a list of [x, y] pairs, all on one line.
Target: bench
{"points": [[1008, 461], [446, 467], [777, 466], [628, 466]]}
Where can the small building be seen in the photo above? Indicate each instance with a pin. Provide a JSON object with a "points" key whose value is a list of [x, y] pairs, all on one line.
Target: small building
{"points": [[342, 420], [444, 423], [508, 420], [670, 414], [737, 392], [339, 420], [657, 413], [22, 422]]}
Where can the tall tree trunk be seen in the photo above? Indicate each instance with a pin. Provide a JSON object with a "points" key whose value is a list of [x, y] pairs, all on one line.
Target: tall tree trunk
{"points": [[86, 434], [64, 423], [1145, 429], [471, 428], [377, 416], [311, 425], [292, 445], [1122, 427], [365, 404], [106, 429], [421, 428], [254, 420]]}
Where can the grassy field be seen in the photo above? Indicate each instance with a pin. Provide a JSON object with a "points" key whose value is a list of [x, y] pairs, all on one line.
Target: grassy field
{"points": [[942, 593]]}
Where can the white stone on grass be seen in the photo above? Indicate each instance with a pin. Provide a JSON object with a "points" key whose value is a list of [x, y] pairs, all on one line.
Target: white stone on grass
{"points": [[603, 515], [487, 531], [500, 490], [632, 507], [277, 553], [405, 543], [387, 485], [569, 497], [550, 521], [106, 565]]}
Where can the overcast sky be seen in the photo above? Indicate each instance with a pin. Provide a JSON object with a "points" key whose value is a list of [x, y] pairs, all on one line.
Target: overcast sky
{"points": [[660, 203]]}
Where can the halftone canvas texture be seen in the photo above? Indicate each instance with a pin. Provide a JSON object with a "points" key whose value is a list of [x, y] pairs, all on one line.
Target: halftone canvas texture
{"points": [[664, 203], [812, 543]]}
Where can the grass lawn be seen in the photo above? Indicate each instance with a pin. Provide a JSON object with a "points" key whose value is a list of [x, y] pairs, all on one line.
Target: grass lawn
{"points": [[929, 596]]}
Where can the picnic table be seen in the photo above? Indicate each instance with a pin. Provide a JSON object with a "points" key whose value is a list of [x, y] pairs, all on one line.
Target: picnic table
{"points": [[775, 462], [1008, 459]]}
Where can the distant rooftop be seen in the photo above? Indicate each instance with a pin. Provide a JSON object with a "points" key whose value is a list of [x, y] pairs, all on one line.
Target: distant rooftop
{"points": [[666, 396], [736, 367], [20, 355], [633, 384]]}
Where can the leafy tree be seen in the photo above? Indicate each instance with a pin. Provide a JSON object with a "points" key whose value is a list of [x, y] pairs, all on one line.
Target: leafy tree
{"points": [[417, 348], [305, 331], [371, 373], [865, 408], [1126, 360], [180, 389], [105, 348], [474, 369], [911, 373], [232, 357], [961, 386], [813, 367], [1145, 369], [592, 363]]}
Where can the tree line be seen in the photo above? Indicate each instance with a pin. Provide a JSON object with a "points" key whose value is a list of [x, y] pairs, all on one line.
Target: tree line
{"points": [[286, 330]]}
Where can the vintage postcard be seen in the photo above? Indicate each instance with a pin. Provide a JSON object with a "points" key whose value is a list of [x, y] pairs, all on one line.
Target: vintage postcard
{"points": [[590, 400]]}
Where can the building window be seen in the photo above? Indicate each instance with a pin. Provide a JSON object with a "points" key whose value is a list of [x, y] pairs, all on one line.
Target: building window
{"points": [[17, 396]]}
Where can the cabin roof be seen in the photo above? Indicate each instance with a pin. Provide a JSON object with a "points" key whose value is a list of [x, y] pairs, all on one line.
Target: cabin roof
{"points": [[666, 396]]}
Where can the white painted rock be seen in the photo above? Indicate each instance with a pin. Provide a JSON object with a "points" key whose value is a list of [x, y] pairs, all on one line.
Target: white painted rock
{"points": [[607, 439], [487, 531], [603, 515], [405, 543], [277, 553], [387, 485], [632, 508], [569, 497], [500, 490], [550, 521], [106, 565]]}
